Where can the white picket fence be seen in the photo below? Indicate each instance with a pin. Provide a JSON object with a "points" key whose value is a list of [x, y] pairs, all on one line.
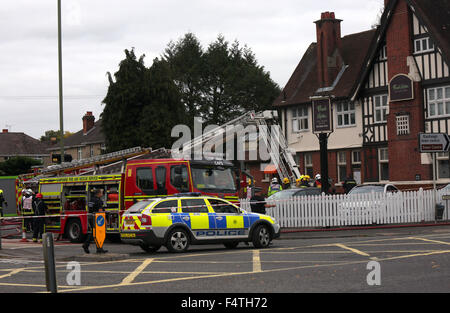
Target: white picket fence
{"points": [[362, 209]]}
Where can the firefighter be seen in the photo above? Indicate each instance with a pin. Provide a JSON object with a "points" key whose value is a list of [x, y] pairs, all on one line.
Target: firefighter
{"points": [[274, 187], [39, 208], [2, 200], [94, 206], [298, 182], [27, 212], [349, 183], [317, 182], [286, 183], [305, 181]]}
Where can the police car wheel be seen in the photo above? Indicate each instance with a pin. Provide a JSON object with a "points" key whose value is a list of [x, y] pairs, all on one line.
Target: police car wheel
{"points": [[149, 248], [178, 240], [261, 237]]}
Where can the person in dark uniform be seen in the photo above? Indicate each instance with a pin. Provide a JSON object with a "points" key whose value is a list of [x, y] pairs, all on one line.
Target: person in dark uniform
{"points": [[2, 200], [39, 208], [94, 206], [258, 203], [349, 183]]}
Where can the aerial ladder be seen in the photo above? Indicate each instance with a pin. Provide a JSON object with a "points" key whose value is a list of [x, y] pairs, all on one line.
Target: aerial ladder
{"points": [[268, 130]]}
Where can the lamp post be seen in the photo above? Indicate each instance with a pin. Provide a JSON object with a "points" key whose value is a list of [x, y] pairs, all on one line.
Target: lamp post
{"points": [[61, 125]]}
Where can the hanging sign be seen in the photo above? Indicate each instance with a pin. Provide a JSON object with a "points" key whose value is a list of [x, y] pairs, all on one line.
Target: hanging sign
{"points": [[322, 116], [401, 88]]}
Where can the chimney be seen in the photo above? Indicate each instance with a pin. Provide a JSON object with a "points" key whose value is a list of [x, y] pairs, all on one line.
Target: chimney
{"points": [[329, 61], [88, 122]]}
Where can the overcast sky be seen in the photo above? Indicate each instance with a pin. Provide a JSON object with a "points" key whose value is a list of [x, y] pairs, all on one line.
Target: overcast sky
{"points": [[96, 32]]}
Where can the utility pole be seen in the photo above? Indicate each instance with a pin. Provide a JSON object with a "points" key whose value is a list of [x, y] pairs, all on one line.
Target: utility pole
{"points": [[323, 142], [61, 125]]}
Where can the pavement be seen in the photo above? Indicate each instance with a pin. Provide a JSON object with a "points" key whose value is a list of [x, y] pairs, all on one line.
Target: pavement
{"points": [[14, 248]]}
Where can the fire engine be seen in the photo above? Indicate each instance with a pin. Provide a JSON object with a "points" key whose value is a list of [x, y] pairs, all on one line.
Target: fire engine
{"points": [[135, 174], [67, 197]]}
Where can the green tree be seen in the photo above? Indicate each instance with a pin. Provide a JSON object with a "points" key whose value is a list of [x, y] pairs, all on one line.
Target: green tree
{"points": [[127, 95], [163, 110], [220, 83], [17, 165]]}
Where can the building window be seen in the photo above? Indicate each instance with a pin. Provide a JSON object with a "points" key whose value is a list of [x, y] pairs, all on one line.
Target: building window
{"points": [[443, 165], [342, 165], [308, 164], [383, 54], [381, 108], [91, 150], [383, 159], [402, 124], [300, 119], [80, 153], [423, 45], [345, 112], [438, 101], [356, 157]]}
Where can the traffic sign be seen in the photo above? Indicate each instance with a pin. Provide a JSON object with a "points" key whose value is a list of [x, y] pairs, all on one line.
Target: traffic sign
{"points": [[433, 142], [99, 229]]}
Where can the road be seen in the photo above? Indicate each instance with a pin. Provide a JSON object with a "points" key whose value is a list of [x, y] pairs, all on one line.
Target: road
{"points": [[390, 260]]}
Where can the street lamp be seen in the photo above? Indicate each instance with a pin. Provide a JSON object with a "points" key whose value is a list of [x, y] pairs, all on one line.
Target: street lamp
{"points": [[61, 126]]}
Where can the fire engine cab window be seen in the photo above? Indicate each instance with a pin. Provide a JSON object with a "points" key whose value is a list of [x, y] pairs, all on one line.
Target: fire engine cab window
{"points": [[160, 174], [169, 206], [144, 180], [179, 177], [222, 206], [193, 206]]}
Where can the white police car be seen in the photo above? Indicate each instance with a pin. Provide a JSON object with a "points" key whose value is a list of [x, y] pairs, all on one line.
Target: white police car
{"points": [[178, 221]]}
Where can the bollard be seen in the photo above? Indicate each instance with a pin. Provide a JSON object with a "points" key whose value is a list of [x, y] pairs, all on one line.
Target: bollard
{"points": [[1, 221], [49, 260]]}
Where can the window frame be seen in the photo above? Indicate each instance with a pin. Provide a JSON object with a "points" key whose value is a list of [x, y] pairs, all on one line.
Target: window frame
{"points": [[444, 100], [383, 108], [342, 113], [299, 119]]}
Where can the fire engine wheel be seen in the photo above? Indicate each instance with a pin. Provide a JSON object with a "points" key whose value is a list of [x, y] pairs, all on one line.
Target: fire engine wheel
{"points": [[74, 231], [261, 237], [149, 248], [178, 240]]}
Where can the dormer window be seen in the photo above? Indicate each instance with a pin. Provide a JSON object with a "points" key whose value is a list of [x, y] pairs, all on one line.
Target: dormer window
{"points": [[423, 45]]}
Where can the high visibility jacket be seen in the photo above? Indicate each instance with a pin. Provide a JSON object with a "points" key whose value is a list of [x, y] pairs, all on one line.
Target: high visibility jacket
{"points": [[274, 188], [27, 205]]}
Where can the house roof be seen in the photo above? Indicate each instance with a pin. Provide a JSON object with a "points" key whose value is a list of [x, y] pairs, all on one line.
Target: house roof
{"points": [[20, 144], [79, 139], [304, 81]]}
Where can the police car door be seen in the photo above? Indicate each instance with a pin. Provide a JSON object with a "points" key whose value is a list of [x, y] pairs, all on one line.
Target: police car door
{"points": [[195, 216], [230, 222]]}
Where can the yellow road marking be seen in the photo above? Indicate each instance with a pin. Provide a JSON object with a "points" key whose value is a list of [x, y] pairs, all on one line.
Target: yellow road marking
{"points": [[429, 240], [136, 272], [340, 245], [256, 261], [13, 272]]}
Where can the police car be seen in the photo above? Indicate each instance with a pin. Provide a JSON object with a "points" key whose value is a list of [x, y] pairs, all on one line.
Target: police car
{"points": [[178, 221]]}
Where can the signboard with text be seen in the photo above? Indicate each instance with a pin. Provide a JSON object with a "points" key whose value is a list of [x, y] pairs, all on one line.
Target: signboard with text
{"points": [[401, 88], [433, 142], [322, 116]]}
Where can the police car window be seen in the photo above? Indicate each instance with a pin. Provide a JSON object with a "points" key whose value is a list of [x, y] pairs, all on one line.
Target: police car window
{"points": [[193, 206], [165, 206], [222, 206]]}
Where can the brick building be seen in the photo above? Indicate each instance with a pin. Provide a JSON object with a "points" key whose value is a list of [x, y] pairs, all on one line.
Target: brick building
{"points": [[87, 142], [386, 85]]}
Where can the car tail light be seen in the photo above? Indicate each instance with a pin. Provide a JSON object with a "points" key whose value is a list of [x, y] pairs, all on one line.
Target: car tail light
{"points": [[146, 220]]}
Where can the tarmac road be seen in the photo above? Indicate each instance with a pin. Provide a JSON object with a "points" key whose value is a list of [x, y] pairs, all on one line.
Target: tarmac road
{"points": [[412, 259]]}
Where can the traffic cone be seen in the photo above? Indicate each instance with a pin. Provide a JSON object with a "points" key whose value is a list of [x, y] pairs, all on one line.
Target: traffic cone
{"points": [[24, 236]]}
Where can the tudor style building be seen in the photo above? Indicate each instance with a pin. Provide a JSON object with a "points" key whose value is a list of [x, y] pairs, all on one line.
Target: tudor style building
{"points": [[386, 86]]}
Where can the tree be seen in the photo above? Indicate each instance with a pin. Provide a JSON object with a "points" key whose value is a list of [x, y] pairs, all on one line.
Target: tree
{"points": [[163, 110], [220, 83], [17, 165], [124, 103], [54, 136]]}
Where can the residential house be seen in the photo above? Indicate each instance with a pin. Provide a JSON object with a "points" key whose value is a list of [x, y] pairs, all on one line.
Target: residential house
{"points": [[385, 85]]}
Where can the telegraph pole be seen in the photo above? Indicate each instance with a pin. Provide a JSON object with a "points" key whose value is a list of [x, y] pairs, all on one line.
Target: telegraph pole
{"points": [[61, 125]]}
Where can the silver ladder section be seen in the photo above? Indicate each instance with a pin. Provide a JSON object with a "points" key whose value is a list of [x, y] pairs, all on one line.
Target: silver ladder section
{"points": [[271, 135]]}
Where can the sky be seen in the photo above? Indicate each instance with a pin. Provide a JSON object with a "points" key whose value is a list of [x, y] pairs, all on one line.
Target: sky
{"points": [[95, 34]]}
